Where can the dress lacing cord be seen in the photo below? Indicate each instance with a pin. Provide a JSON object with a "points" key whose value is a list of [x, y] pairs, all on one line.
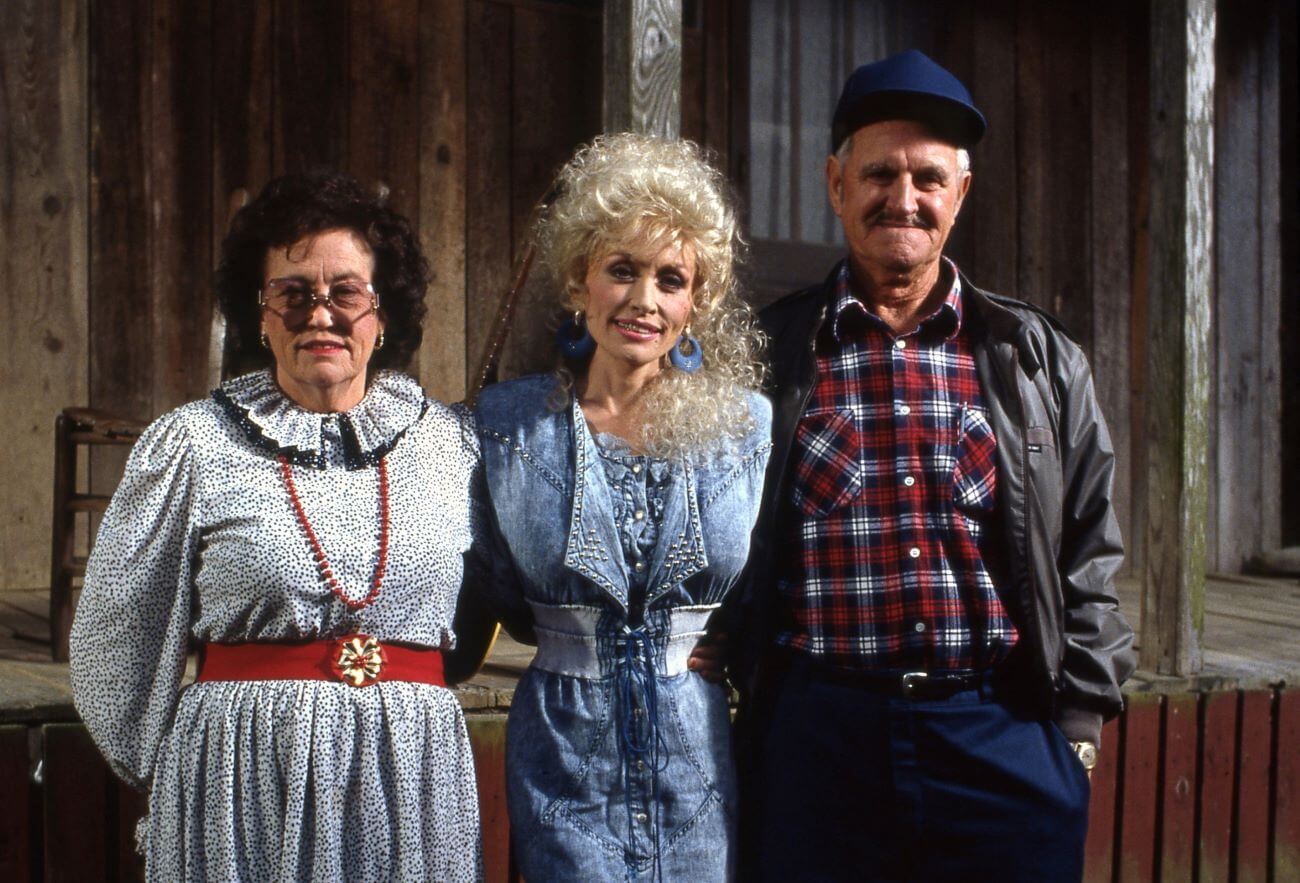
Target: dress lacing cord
{"points": [[640, 734]]}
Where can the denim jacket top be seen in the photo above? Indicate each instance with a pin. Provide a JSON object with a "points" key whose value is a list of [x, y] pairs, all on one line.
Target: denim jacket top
{"points": [[618, 758], [552, 507]]}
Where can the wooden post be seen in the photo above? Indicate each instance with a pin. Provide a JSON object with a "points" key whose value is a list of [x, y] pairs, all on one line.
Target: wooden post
{"points": [[1177, 424], [44, 289], [643, 67]]}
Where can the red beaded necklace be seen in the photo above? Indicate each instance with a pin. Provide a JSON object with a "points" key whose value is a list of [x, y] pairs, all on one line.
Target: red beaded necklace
{"points": [[322, 563]]}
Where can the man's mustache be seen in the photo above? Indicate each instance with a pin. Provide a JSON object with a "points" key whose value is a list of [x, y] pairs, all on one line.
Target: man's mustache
{"points": [[912, 220]]}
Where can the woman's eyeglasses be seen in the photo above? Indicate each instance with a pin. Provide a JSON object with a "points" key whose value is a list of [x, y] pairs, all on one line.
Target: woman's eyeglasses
{"points": [[294, 299]]}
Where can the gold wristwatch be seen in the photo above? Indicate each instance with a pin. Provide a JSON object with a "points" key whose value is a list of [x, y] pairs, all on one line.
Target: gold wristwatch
{"points": [[1087, 754]]}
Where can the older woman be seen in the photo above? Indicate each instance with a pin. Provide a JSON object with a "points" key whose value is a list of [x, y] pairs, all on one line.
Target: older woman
{"points": [[622, 490], [303, 529]]}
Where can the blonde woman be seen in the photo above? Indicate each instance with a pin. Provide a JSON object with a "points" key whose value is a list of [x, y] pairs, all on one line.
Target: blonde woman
{"points": [[621, 491]]}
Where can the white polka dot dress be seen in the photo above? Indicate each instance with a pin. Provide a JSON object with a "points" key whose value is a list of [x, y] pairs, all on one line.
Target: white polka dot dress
{"points": [[284, 780]]}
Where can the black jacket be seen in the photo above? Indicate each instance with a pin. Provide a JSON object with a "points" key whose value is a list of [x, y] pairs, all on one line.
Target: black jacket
{"points": [[1055, 467]]}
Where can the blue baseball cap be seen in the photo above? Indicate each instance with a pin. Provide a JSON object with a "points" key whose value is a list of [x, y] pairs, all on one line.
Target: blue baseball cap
{"points": [[907, 86]]}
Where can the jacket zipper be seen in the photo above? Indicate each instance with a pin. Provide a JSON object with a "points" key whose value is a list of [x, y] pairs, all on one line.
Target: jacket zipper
{"points": [[1027, 539]]}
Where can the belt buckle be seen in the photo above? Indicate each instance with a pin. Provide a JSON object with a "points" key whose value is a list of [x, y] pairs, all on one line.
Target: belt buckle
{"points": [[911, 681], [358, 660]]}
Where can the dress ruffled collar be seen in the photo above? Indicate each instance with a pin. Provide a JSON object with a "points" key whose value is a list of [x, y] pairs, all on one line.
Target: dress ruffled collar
{"points": [[370, 430]]}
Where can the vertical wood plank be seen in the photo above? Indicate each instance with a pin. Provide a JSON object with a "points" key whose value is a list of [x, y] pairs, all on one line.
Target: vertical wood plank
{"points": [[555, 106], [1033, 160], [693, 85], [43, 281], [15, 821], [1253, 798], [992, 209], [1110, 200], [121, 362], [383, 99], [242, 65], [1179, 790], [1182, 129], [643, 66], [487, 735], [1235, 494], [1138, 40], [738, 99], [1270, 372], [1139, 777], [310, 78], [1217, 786], [179, 192], [555, 102], [1286, 797], [444, 168], [717, 77], [488, 234], [1103, 809], [1289, 261], [1068, 143], [77, 787]]}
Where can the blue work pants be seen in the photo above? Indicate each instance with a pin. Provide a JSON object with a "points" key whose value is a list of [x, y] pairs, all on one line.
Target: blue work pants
{"points": [[863, 786]]}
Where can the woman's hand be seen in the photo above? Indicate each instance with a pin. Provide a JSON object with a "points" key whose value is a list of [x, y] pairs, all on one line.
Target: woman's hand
{"points": [[706, 659]]}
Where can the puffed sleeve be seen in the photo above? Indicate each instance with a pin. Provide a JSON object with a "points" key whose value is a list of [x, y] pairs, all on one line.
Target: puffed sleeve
{"points": [[130, 632]]}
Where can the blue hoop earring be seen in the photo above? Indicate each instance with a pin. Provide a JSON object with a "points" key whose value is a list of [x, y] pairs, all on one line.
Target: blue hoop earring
{"points": [[690, 360], [573, 338]]}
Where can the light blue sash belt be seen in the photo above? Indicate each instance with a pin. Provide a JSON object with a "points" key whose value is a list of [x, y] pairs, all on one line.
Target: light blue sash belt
{"points": [[567, 643]]}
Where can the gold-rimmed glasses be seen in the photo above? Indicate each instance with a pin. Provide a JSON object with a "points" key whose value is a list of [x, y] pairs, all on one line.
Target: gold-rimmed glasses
{"points": [[294, 299]]}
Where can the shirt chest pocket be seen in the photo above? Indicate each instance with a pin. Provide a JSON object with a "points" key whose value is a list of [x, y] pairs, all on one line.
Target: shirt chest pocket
{"points": [[828, 472], [975, 469]]}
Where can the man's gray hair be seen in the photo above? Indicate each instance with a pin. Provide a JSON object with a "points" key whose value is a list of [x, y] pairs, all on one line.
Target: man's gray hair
{"points": [[963, 156]]}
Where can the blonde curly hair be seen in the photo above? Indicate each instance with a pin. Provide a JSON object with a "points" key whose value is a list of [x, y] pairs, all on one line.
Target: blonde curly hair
{"points": [[636, 188]]}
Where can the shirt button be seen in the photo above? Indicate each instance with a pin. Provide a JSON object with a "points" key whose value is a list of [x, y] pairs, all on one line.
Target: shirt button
{"points": [[636, 468], [920, 626], [914, 552], [900, 344], [639, 514], [904, 410], [640, 565], [909, 481]]}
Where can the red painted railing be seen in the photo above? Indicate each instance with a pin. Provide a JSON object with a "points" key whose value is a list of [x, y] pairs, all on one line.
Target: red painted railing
{"points": [[1201, 787]]}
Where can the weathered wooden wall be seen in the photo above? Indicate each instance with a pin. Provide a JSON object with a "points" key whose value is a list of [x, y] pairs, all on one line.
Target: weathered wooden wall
{"points": [[130, 125]]}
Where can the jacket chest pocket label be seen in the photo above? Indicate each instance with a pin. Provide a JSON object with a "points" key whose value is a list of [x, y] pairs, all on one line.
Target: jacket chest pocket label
{"points": [[828, 471], [975, 471]]}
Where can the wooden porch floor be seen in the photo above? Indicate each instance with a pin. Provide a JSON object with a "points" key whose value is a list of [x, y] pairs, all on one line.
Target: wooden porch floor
{"points": [[1252, 640]]}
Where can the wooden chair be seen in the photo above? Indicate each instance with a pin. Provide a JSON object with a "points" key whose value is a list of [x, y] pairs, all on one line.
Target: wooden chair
{"points": [[74, 427]]}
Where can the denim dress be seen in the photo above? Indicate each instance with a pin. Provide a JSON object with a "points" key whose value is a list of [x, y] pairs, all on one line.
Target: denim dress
{"points": [[618, 759]]}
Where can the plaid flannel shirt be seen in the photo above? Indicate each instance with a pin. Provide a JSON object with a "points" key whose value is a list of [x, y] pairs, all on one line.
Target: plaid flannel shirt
{"points": [[894, 486]]}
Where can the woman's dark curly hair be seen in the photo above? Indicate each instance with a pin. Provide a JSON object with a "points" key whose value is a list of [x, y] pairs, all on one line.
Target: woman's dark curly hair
{"points": [[292, 207]]}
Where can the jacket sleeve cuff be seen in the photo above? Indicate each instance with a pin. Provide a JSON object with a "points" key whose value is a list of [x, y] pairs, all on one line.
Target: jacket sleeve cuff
{"points": [[1080, 725]]}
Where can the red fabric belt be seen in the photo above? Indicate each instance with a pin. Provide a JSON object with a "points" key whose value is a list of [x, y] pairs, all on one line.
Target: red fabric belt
{"points": [[358, 660]]}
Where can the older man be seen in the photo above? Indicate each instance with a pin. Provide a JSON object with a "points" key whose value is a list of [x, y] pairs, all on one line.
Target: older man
{"points": [[930, 639]]}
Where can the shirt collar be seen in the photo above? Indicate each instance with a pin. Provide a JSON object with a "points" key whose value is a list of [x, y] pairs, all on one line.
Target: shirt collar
{"points": [[945, 321], [370, 430]]}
